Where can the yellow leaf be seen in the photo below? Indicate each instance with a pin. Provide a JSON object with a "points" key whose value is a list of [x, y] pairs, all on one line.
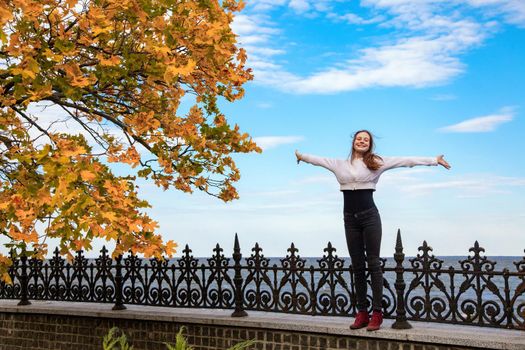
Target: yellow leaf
{"points": [[112, 61], [25, 73], [87, 175], [173, 72], [101, 30], [52, 56], [76, 76], [109, 215], [80, 82]]}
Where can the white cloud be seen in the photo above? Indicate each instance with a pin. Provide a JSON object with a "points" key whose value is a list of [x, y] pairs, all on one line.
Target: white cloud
{"points": [[263, 5], [252, 30], [322, 5], [352, 18], [425, 53], [268, 142], [425, 44], [264, 51], [244, 25], [299, 5], [305, 7], [462, 186], [513, 11], [413, 62], [471, 185], [255, 35], [482, 124]]}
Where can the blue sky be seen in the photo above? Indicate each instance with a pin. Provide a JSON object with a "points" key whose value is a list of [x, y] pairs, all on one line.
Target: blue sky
{"points": [[426, 77]]}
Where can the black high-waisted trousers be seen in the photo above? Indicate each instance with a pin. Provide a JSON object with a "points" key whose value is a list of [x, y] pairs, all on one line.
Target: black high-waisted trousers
{"points": [[363, 237]]}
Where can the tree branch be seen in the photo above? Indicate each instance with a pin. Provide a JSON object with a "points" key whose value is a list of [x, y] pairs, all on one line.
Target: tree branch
{"points": [[115, 121], [32, 122], [91, 132], [6, 141]]}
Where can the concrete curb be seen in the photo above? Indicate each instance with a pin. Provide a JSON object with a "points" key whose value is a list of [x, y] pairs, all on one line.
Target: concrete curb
{"points": [[424, 332]]}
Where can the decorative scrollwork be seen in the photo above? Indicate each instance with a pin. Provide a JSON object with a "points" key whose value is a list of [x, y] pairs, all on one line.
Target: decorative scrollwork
{"points": [[477, 262], [293, 286], [427, 297], [159, 291], [35, 287], [56, 281], [474, 294], [332, 292], [257, 285], [480, 300], [80, 278], [219, 284], [134, 280]]}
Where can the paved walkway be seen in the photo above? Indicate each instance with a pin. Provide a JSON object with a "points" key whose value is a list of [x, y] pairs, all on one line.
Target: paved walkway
{"points": [[435, 333]]}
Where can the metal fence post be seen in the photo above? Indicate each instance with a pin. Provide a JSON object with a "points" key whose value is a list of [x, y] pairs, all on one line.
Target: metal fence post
{"points": [[401, 319], [237, 280], [119, 303], [24, 280]]}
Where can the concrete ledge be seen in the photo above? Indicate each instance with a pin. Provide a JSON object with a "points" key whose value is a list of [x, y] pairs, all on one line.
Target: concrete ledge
{"points": [[423, 332]]}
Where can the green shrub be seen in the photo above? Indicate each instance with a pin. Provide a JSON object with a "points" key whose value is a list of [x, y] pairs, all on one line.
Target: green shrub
{"points": [[180, 342], [116, 340]]}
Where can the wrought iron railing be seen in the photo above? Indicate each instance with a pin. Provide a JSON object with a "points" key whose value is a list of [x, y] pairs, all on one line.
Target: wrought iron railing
{"points": [[418, 290]]}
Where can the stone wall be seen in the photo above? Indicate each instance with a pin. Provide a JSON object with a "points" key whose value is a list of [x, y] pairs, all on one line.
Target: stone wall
{"points": [[59, 332]]}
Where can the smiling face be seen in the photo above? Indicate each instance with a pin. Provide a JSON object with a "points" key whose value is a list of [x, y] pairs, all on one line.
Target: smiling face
{"points": [[362, 142]]}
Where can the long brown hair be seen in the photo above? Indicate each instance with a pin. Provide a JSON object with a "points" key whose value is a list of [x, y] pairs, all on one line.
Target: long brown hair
{"points": [[371, 160]]}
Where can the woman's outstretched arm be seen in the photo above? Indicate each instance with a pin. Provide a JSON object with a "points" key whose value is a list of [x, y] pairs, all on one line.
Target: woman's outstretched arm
{"points": [[397, 162], [328, 163]]}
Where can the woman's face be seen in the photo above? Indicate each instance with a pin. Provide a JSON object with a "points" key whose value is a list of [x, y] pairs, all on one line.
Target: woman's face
{"points": [[362, 142]]}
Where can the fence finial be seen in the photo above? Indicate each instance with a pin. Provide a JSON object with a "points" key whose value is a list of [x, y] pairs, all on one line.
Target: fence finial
{"points": [[401, 319], [237, 280]]}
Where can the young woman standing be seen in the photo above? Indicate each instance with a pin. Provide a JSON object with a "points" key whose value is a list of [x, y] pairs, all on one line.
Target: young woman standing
{"points": [[358, 177]]}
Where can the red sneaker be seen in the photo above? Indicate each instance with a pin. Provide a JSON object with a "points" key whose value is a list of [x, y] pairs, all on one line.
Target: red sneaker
{"points": [[375, 321], [361, 320]]}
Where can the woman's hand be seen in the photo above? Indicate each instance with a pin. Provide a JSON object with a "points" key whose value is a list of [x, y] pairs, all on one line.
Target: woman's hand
{"points": [[298, 155], [443, 162]]}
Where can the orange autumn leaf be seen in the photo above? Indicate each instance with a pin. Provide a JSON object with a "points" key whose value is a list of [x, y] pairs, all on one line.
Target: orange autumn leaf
{"points": [[118, 70], [173, 71], [5, 13], [111, 61], [170, 248], [87, 175]]}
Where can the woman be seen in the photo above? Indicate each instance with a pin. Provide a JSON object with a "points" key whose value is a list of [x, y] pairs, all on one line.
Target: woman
{"points": [[358, 177]]}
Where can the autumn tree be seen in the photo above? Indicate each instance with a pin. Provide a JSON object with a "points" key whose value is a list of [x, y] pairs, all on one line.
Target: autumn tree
{"points": [[119, 69]]}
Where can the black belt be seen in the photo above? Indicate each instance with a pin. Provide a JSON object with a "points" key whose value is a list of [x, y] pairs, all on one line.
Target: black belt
{"points": [[362, 213]]}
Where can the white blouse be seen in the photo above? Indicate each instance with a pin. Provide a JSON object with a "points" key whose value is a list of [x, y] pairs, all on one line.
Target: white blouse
{"points": [[356, 176]]}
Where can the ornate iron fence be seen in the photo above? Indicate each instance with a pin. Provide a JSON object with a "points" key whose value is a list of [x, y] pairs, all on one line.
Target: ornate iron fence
{"points": [[422, 290]]}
